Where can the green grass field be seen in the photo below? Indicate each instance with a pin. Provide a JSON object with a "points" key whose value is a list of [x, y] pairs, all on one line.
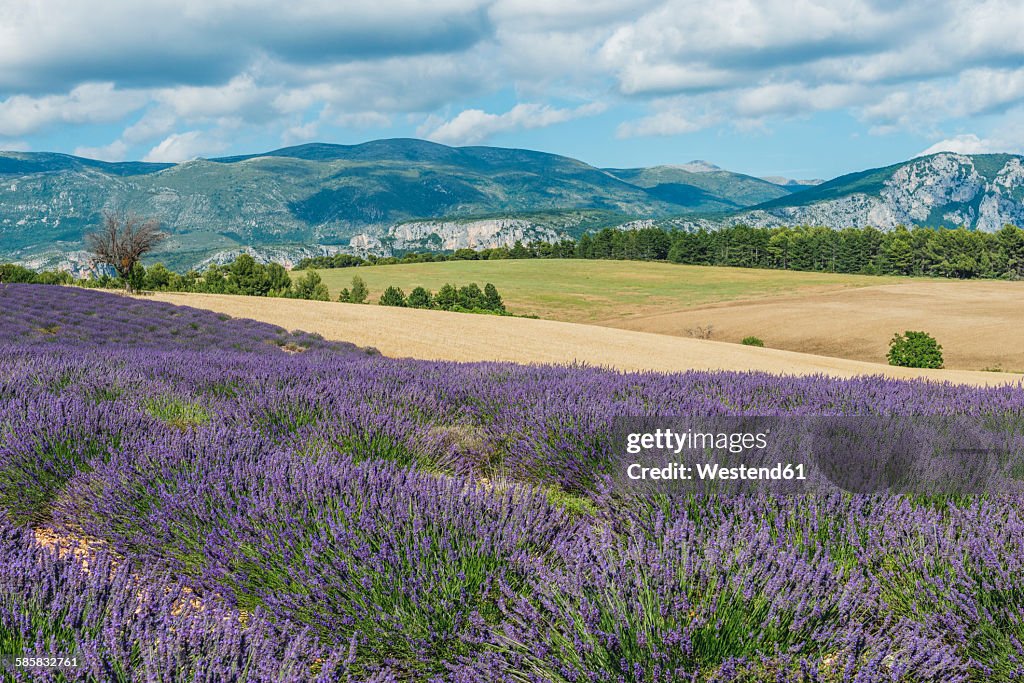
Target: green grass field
{"points": [[597, 291]]}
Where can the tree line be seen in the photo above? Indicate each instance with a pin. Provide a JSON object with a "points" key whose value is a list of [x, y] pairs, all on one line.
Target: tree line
{"points": [[466, 299], [244, 275], [950, 253], [942, 252]]}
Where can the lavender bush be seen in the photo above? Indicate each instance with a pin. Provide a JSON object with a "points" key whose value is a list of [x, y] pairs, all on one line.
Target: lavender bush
{"points": [[330, 514]]}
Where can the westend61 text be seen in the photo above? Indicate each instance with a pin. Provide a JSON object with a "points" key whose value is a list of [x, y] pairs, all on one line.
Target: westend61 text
{"points": [[714, 471]]}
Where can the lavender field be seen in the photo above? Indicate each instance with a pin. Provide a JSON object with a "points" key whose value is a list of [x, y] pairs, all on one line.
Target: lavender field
{"points": [[186, 497]]}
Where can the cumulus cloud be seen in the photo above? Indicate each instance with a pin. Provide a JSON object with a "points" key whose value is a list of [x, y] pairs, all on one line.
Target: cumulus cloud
{"points": [[87, 103], [240, 94], [961, 144], [304, 132], [565, 15], [185, 147], [473, 126], [662, 124], [268, 68], [115, 151], [197, 42], [1005, 140], [14, 146], [153, 124], [897, 66]]}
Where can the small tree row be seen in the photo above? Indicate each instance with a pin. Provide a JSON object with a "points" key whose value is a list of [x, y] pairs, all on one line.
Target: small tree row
{"points": [[469, 298], [243, 276]]}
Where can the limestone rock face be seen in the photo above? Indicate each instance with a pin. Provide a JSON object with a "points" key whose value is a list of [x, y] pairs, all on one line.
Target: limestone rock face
{"points": [[984, 192]]}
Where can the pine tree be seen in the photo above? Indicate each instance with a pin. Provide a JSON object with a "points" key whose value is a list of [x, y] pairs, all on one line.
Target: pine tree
{"points": [[393, 296], [470, 296], [492, 299], [359, 291], [447, 297], [310, 286], [420, 298]]}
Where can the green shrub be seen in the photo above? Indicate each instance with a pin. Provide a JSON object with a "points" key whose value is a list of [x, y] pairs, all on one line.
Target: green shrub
{"points": [[447, 297], [356, 295], [393, 296], [359, 291], [492, 298], [915, 350], [310, 286], [10, 272], [159, 278], [420, 298], [136, 278], [471, 296], [752, 341]]}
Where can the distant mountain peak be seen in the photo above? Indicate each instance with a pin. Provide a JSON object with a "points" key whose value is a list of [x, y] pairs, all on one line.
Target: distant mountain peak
{"points": [[697, 166], [792, 182]]}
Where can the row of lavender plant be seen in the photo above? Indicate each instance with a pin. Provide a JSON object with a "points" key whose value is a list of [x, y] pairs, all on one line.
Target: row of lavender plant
{"points": [[440, 521], [107, 621]]}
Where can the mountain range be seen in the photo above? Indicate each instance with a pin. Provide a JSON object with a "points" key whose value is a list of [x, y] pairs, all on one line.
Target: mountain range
{"points": [[388, 196]]}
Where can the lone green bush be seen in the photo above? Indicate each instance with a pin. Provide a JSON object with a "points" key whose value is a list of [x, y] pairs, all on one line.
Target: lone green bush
{"points": [[310, 286], [393, 296], [752, 341], [915, 350], [420, 298], [358, 293]]}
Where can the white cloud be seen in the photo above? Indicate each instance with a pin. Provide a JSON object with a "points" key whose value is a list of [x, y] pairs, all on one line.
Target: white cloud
{"points": [[715, 45], [240, 94], [306, 132], [961, 144], [14, 146], [185, 146], [920, 106], [565, 15], [153, 124], [87, 103], [401, 84], [115, 151], [264, 67], [473, 126], [897, 66], [159, 43], [665, 123], [1005, 141], [791, 99]]}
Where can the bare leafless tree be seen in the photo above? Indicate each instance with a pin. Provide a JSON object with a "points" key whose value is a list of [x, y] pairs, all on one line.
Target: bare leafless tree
{"points": [[122, 241]]}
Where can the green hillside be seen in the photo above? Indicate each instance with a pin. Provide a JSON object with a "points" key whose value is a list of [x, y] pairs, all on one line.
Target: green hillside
{"points": [[324, 194], [707, 190], [405, 194], [587, 291]]}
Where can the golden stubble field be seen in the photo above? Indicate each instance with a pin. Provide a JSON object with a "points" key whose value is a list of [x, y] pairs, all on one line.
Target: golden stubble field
{"points": [[980, 323], [438, 335]]}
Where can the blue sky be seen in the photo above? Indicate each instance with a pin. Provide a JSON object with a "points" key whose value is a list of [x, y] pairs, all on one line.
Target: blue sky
{"points": [[767, 87]]}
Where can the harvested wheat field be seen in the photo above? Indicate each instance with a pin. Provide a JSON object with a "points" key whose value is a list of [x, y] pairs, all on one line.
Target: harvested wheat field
{"points": [[979, 323], [439, 335]]}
